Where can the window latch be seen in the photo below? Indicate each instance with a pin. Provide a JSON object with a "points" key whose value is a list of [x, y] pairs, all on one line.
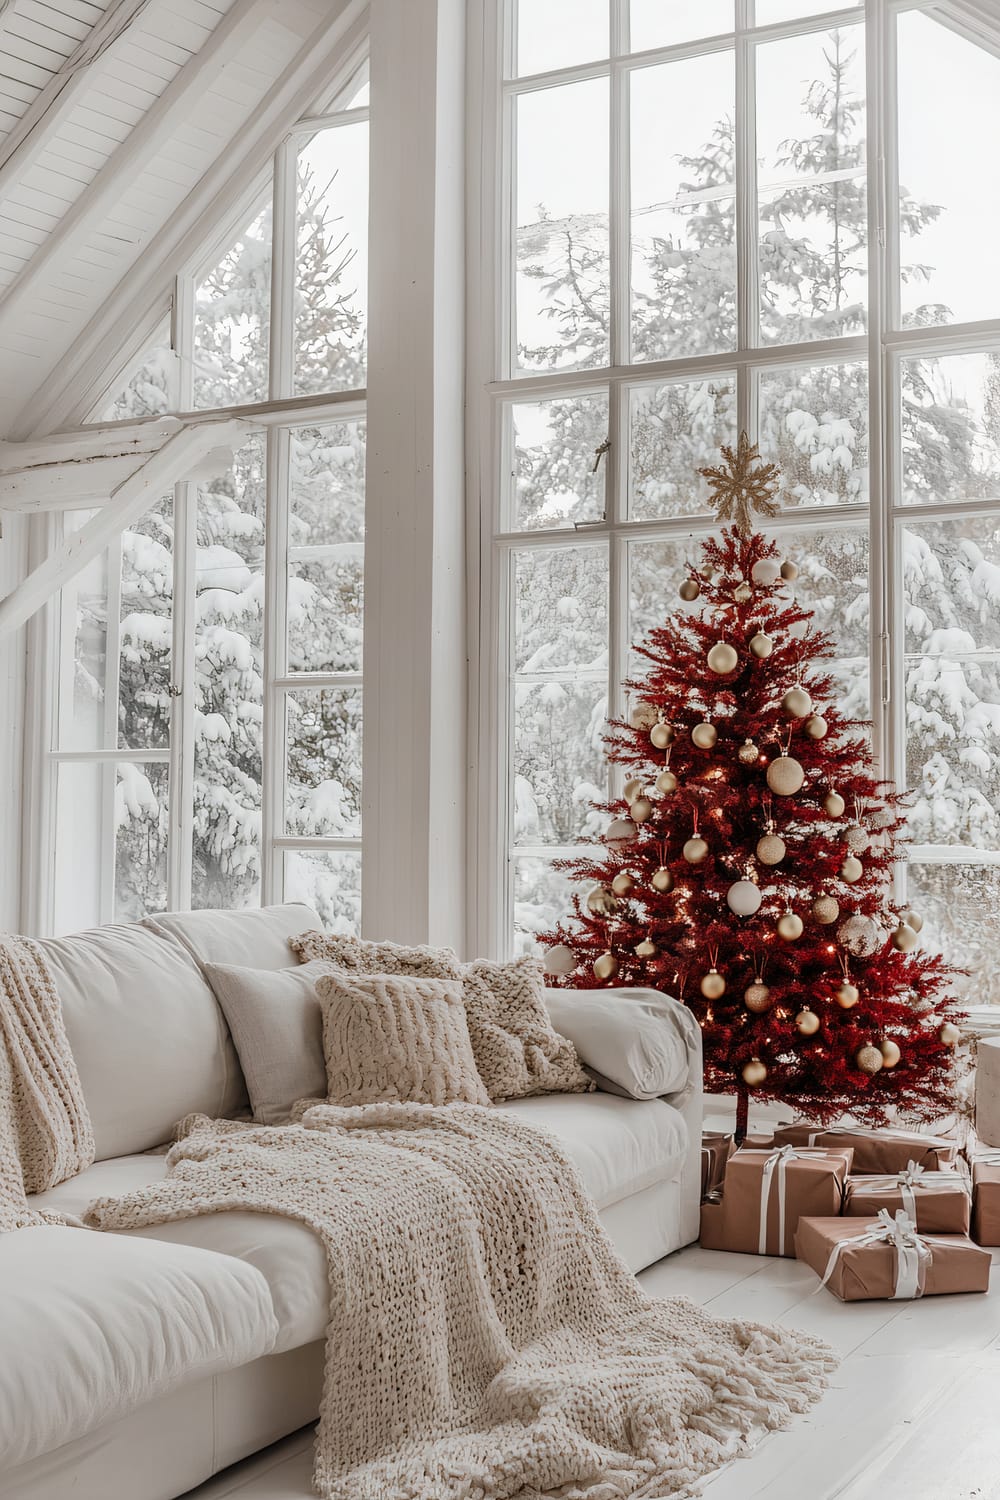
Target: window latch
{"points": [[599, 453]]}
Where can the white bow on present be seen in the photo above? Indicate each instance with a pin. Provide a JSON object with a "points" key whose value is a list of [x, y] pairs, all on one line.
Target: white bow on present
{"points": [[906, 1182], [774, 1176], [913, 1252]]}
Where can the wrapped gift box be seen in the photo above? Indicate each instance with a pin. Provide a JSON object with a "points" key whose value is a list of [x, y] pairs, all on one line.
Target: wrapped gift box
{"points": [[716, 1149], [986, 1200], [765, 1192], [937, 1202], [868, 1259], [875, 1151]]}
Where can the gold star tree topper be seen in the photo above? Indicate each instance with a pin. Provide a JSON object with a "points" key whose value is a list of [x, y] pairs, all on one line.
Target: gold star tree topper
{"points": [[742, 485]]}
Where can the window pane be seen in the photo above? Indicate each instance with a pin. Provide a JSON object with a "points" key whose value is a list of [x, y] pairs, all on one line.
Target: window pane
{"points": [[83, 718], [331, 285], [149, 388], [141, 823], [111, 843], [232, 320], [833, 583], [147, 589], [655, 573], [559, 761], [555, 477], [812, 198], [561, 610], [949, 194], [960, 905], [767, 12], [559, 33], [561, 215], [328, 880], [951, 428], [654, 24], [542, 897], [323, 762], [814, 426], [674, 430], [951, 585], [682, 224], [326, 555]]}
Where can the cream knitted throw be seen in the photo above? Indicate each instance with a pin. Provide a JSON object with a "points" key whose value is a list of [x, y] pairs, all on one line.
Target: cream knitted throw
{"points": [[484, 1339], [45, 1133]]}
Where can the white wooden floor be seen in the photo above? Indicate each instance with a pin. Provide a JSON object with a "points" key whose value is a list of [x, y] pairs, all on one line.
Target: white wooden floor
{"points": [[913, 1413]]}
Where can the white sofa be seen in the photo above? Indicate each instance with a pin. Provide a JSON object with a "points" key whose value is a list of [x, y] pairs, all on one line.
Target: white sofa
{"points": [[132, 1367]]}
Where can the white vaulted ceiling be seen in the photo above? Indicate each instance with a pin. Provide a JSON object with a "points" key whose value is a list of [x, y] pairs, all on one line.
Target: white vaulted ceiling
{"points": [[120, 124]]}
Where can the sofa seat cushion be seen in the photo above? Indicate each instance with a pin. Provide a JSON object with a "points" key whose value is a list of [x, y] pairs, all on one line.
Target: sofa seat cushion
{"points": [[619, 1146], [94, 1325]]}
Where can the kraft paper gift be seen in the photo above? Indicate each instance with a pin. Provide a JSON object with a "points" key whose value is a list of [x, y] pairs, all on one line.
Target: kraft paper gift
{"points": [[937, 1202], [875, 1151], [766, 1191], [986, 1200], [887, 1258], [716, 1149]]}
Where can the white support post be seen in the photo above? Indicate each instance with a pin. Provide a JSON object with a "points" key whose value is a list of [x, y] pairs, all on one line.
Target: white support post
{"points": [[414, 884], [180, 792]]}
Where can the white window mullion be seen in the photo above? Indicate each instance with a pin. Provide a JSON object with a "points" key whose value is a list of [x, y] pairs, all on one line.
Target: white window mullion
{"points": [[619, 194], [747, 315], [184, 707], [275, 662]]}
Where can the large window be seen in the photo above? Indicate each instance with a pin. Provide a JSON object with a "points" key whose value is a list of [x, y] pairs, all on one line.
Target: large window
{"points": [[730, 216], [206, 734]]}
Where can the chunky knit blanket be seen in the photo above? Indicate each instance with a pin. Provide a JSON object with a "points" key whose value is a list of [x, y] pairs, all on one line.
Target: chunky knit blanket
{"points": [[45, 1132], [484, 1339]]}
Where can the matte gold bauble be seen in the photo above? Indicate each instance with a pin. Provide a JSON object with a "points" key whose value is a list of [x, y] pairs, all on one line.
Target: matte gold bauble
{"points": [[748, 753], [797, 703], [704, 735], [623, 883], [790, 926], [913, 919], [601, 902], [722, 659], [856, 838], [869, 1059], [753, 1073], [904, 938], [890, 1053], [789, 571], [816, 726], [744, 898], [661, 735], [834, 804], [662, 880], [695, 850], [825, 910], [641, 810], [852, 869], [666, 782], [757, 997], [621, 831], [560, 960], [643, 716], [605, 966], [761, 645], [713, 985], [771, 849], [646, 949], [632, 789], [847, 995], [689, 590], [766, 571], [949, 1035], [785, 776], [742, 593], [807, 1022]]}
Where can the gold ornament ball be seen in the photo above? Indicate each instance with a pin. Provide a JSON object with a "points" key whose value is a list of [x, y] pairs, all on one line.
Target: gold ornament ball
{"points": [[666, 783], [904, 938], [633, 789], [621, 831], [713, 985], [601, 902], [890, 1053], [949, 1035], [790, 926], [785, 776], [757, 997], [761, 645], [913, 919], [605, 966], [869, 1059], [852, 869], [789, 571], [797, 703], [560, 960], [807, 1022], [856, 838], [661, 735], [722, 658], [689, 590], [825, 910], [623, 883], [646, 949], [695, 850], [742, 593], [748, 753], [771, 849], [847, 996], [834, 804], [704, 735], [816, 726], [662, 880], [641, 809], [643, 716], [754, 1073], [766, 571]]}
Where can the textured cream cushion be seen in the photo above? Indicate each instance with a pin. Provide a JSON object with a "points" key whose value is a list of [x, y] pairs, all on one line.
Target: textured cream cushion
{"points": [[276, 1022], [394, 1037], [517, 1051], [360, 957], [635, 1042]]}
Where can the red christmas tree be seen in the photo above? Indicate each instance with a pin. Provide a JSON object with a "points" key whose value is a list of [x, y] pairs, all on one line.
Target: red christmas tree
{"points": [[748, 868]]}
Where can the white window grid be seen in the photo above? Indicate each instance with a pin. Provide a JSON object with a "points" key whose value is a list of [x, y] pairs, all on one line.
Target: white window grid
{"points": [[494, 384]]}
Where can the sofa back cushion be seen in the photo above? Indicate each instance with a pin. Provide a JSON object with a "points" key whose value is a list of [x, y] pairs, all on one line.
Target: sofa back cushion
{"points": [[255, 939]]}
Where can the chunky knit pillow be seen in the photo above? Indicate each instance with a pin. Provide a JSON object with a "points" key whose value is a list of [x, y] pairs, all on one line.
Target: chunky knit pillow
{"points": [[394, 1037], [360, 957], [517, 1050]]}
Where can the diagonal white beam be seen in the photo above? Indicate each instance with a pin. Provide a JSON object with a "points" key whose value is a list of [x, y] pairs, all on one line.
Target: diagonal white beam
{"points": [[178, 457]]}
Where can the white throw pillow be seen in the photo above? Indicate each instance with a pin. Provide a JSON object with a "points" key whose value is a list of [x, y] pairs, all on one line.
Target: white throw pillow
{"points": [[277, 1028], [636, 1043]]}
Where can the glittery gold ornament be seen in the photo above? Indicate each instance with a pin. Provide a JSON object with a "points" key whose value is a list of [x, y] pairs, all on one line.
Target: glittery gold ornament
{"points": [[890, 1052], [790, 926], [949, 1035], [641, 810], [742, 485], [632, 789], [797, 703], [662, 880], [785, 776], [834, 804], [757, 997], [807, 1022], [722, 658], [847, 995], [771, 849], [601, 902], [643, 715], [904, 938], [761, 645], [861, 935], [742, 593], [913, 919], [704, 735], [621, 831], [852, 869], [713, 985], [661, 735], [856, 839], [789, 571], [560, 960], [753, 1073], [695, 850], [825, 910], [623, 883], [646, 949], [689, 590], [666, 782], [816, 726], [748, 753], [605, 966], [869, 1059]]}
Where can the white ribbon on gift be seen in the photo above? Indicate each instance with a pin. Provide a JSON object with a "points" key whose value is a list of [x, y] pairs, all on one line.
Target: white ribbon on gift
{"points": [[907, 1183], [889, 1135], [913, 1252], [775, 1167]]}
